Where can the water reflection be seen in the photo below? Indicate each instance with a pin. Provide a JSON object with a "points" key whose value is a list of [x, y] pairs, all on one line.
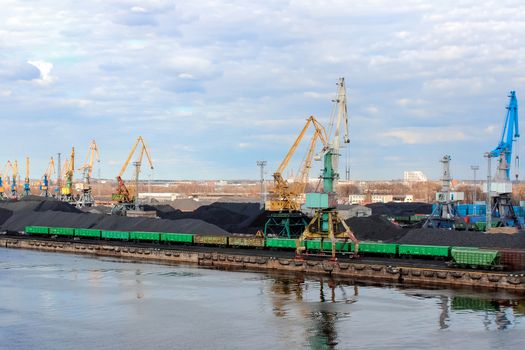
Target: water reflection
{"points": [[133, 305], [286, 291], [311, 299]]}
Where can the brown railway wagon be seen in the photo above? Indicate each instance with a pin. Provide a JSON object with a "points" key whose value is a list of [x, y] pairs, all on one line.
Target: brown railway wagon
{"points": [[512, 259]]}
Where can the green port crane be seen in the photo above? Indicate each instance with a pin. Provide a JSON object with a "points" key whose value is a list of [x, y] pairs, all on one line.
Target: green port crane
{"points": [[326, 223]]}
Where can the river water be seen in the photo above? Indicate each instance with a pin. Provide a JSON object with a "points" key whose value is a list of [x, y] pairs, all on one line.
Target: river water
{"points": [[60, 301]]}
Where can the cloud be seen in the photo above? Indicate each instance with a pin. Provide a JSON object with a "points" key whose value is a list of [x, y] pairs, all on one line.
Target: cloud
{"points": [[45, 72], [19, 71], [235, 80], [429, 135]]}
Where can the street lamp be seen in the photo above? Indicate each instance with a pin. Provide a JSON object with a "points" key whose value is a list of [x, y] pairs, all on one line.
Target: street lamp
{"points": [[474, 168], [262, 164]]}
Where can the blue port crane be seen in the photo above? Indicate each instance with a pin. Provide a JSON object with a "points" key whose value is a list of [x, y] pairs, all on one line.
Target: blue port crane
{"points": [[46, 179], [27, 184], [510, 133], [500, 202]]}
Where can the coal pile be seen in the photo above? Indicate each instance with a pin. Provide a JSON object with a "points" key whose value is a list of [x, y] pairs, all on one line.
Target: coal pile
{"points": [[375, 228], [5, 215], [464, 238], [15, 215], [400, 209], [35, 203], [232, 217]]}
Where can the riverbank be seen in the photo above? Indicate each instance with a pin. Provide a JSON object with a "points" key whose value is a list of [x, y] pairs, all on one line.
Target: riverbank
{"points": [[359, 269]]}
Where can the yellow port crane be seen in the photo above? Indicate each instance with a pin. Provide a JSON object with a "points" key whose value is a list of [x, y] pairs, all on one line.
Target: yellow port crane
{"points": [[126, 198], [13, 168], [86, 197], [4, 178], [68, 173], [46, 178], [284, 204]]}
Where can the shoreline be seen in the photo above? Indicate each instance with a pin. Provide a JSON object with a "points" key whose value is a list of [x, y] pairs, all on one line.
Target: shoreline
{"points": [[212, 257]]}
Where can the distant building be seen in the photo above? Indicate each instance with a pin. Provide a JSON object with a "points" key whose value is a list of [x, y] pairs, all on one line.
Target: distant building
{"points": [[414, 176], [380, 198]]}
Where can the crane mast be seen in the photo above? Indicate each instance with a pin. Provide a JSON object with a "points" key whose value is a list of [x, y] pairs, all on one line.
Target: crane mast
{"points": [[285, 218], [86, 196], [69, 171], [27, 185], [499, 190], [46, 178], [326, 223], [14, 178], [128, 199]]}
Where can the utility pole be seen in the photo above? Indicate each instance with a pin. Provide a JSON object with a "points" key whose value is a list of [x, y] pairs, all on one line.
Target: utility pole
{"points": [[474, 168], [262, 164], [488, 214], [59, 177], [137, 170]]}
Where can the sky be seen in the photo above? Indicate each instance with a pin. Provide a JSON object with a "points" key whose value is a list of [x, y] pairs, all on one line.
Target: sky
{"points": [[214, 86]]}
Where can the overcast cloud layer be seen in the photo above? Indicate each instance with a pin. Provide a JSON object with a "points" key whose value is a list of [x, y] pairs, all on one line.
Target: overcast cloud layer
{"points": [[213, 86]]}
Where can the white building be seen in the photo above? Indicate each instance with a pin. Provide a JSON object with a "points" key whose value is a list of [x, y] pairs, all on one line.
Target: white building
{"points": [[380, 198], [414, 176]]}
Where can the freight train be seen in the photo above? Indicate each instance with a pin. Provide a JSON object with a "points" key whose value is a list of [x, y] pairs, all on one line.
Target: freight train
{"points": [[464, 257]]}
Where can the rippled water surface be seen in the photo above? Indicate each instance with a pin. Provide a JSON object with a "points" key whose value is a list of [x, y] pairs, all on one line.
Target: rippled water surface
{"points": [[59, 301]]}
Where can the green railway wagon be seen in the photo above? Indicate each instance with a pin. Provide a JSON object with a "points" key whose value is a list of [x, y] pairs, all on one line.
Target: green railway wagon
{"points": [[327, 245], [120, 235], [176, 237], [144, 236], [377, 248], [87, 232], [62, 231], [404, 219], [210, 240], [475, 257], [37, 230], [243, 241], [282, 243], [423, 250], [466, 303]]}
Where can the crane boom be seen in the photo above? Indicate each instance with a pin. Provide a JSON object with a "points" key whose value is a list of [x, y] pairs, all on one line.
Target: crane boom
{"points": [[143, 150], [27, 187], [509, 134], [338, 116], [92, 155], [123, 195], [285, 195], [46, 178]]}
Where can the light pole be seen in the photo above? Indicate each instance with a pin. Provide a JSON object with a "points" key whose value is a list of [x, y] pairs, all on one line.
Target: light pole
{"points": [[262, 164], [488, 214], [474, 168]]}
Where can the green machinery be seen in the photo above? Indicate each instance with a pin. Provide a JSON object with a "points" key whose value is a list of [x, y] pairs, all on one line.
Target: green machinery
{"points": [[326, 223]]}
